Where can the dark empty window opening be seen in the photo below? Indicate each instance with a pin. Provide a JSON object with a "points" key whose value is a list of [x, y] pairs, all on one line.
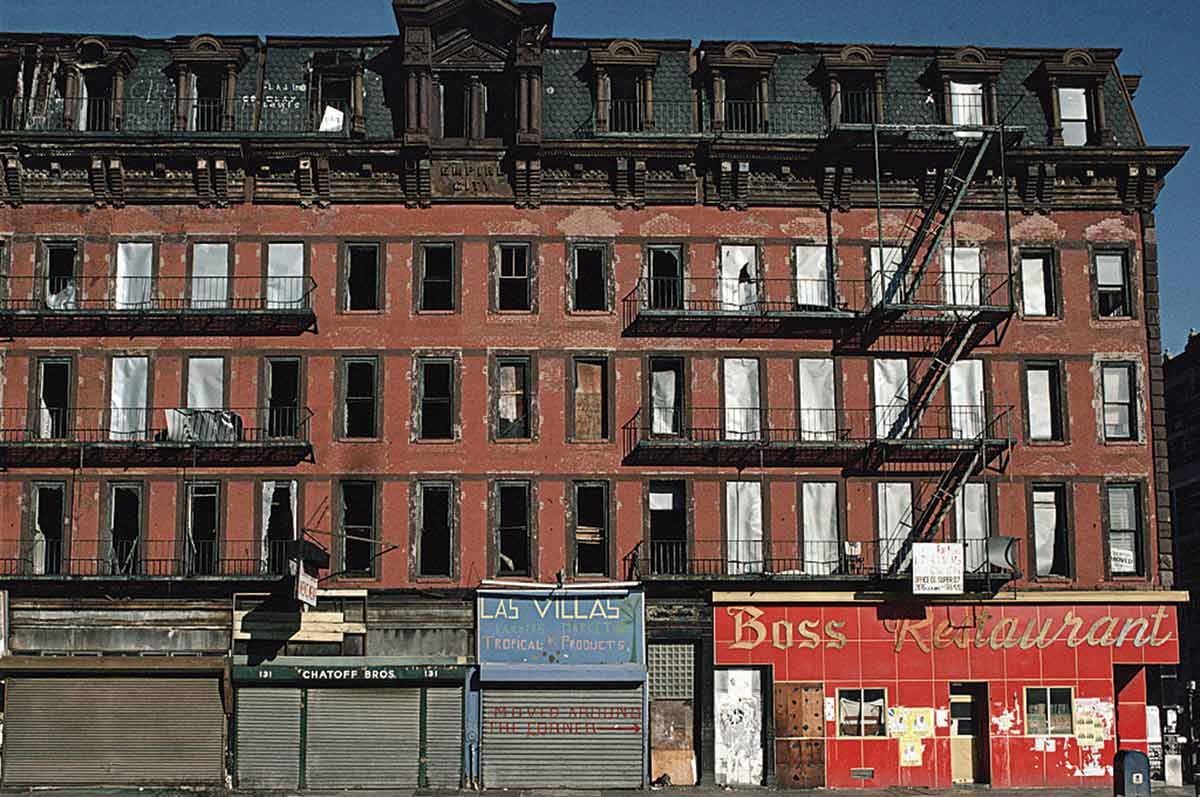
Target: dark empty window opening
{"points": [[60, 277], [498, 101], [591, 529], [512, 529], [49, 524], [742, 113], [360, 398], [436, 526], [358, 527], [362, 278], [283, 409], [437, 400], [591, 279], [126, 528], [96, 102], [857, 99], [208, 112], [512, 397], [625, 105], [514, 282], [280, 525], [666, 279], [1050, 531], [333, 104], [668, 528], [456, 99], [202, 528], [9, 103], [55, 394], [591, 399], [437, 277]]}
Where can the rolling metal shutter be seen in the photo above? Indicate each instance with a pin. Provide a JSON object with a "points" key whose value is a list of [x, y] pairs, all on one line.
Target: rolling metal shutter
{"points": [[443, 737], [113, 731], [551, 738], [362, 737], [268, 738]]}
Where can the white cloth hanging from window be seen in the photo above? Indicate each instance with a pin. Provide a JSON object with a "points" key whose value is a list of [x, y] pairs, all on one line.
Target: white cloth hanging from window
{"points": [[664, 398], [210, 276], [135, 264], [966, 399], [962, 279], [332, 120], [128, 403], [739, 278], [812, 276], [285, 276], [887, 281], [971, 524], [206, 383], [966, 103], [818, 415], [895, 519], [820, 515], [742, 407], [1033, 286], [891, 397], [743, 524]]}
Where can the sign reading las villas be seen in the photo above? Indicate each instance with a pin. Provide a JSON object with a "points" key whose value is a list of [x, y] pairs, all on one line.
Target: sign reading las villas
{"points": [[594, 630]]}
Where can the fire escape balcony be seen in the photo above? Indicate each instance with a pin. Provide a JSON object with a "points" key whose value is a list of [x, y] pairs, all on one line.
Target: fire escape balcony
{"points": [[128, 437], [988, 562], [942, 300], [140, 559], [857, 440], [90, 306], [725, 307]]}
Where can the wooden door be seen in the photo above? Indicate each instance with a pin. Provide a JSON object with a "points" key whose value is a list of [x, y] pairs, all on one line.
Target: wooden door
{"points": [[963, 754], [799, 736]]}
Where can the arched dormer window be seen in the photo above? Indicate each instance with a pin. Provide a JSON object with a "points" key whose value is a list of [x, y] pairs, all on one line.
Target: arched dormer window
{"points": [[855, 76], [205, 78], [740, 77], [93, 85], [1073, 87], [968, 88], [624, 73]]}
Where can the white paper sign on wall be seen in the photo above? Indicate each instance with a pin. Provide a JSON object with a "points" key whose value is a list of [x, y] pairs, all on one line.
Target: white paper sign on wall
{"points": [[937, 568]]}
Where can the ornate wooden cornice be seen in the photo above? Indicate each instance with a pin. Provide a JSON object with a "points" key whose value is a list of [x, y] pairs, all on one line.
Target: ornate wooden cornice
{"points": [[623, 53], [208, 51], [969, 61]]}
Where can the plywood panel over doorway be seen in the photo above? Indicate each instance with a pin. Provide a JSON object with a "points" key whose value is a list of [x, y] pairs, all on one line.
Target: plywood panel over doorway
{"points": [[799, 726]]}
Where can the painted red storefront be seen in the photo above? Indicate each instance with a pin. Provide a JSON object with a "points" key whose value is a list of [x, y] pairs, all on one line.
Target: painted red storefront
{"points": [[915, 654]]}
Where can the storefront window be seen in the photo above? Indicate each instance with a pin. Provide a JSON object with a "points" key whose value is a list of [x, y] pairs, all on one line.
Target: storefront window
{"points": [[1048, 711], [860, 712]]}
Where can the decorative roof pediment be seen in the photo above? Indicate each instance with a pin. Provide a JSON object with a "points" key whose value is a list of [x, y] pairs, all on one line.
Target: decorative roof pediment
{"points": [[207, 49], [467, 52], [969, 61], [92, 51], [1078, 64], [739, 55], [853, 58], [431, 12], [623, 52]]}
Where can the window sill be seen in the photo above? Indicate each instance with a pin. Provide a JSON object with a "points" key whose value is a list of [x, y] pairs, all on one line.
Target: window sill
{"points": [[358, 440], [509, 441], [1048, 443], [1041, 319], [1114, 318], [596, 313], [437, 312], [1123, 443], [600, 441], [435, 579], [518, 313], [421, 441], [362, 312]]}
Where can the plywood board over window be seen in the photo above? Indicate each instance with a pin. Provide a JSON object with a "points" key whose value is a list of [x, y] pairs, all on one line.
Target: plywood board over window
{"points": [[591, 416]]}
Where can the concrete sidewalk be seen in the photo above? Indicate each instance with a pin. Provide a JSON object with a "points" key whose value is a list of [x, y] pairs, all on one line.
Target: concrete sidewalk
{"points": [[681, 791]]}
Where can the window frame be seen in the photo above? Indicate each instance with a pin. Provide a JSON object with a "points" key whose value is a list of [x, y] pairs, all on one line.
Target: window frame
{"points": [[1127, 273], [42, 275], [417, 492], [345, 253], [1047, 690], [573, 526], [529, 362], [1050, 277], [1058, 403], [343, 429], [606, 250], [66, 486], [1089, 103], [495, 543], [682, 401], [607, 400], [189, 296], [1066, 513], [109, 504], [420, 360], [1140, 537], [189, 492], [862, 702], [1132, 406], [265, 268], [681, 253], [498, 277], [422, 248], [372, 571], [685, 493]]}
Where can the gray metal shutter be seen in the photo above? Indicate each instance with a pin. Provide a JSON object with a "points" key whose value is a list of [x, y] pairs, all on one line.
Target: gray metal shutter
{"points": [[443, 737], [268, 738], [551, 738], [113, 731], [363, 737]]}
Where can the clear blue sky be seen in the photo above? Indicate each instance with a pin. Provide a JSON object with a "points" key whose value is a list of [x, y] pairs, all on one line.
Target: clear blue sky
{"points": [[1161, 40]]}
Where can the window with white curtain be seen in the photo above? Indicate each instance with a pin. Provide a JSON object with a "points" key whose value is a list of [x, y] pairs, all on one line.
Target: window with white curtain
{"points": [[966, 103], [206, 383], [819, 528], [812, 276], [963, 277], [1050, 530], [742, 400], [1037, 285], [128, 404], [285, 276], [135, 267], [894, 516], [739, 278], [278, 525], [743, 527], [1124, 530], [1120, 416], [666, 396], [891, 397], [818, 413], [887, 281], [1043, 400], [972, 524], [967, 417], [210, 276]]}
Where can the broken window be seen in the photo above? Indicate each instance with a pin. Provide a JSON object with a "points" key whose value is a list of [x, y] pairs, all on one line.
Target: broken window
{"points": [[435, 557], [739, 279], [666, 396], [818, 410], [61, 291], [203, 524], [967, 404], [591, 278], [128, 400], [332, 104], [512, 529], [742, 113], [625, 103], [966, 103], [744, 528], [285, 276], [1112, 285], [54, 394], [1048, 711], [666, 278], [362, 277], [278, 525], [437, 277], [95, 100], [590, 411], [514, 283], [206, 383], [437, 400], [891, 397], [972, 524], [894, 520], [819, 528], [134, 289], [512, 398], [358, 527], [861, 712], [1124, 530], [360, 409], [455, 91], [207, 88], [1038, 297], [48, 552], [1120, 416], [1073, 114], [283, 397], [1044, 401], [813, 279], [963, 278], [743, 409], [125, 527], [1050, 530], [591, 528], [210, 276], [668, 527]]}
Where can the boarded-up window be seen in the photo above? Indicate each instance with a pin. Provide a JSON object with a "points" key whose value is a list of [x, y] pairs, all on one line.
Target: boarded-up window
{"points": [[1050, 530], [1124, 530], [512, 399], [591, 528], [591, 399]]}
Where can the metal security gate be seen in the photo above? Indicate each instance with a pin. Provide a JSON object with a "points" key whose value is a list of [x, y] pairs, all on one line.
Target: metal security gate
{"points": [[552, 738], [362, 737], [267, 744], [113, 731], [443, 737]]}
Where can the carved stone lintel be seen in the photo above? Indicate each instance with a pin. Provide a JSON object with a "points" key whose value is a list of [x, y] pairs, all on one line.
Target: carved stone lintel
{"points": [[116, 181], [98, 181], [203, 183]]}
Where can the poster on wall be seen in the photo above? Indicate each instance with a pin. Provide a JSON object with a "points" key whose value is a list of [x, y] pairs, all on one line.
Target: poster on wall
{"points": [[937, 568]]}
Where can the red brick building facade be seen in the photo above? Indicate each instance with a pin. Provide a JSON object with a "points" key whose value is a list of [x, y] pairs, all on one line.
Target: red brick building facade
{"points": [[739, 324]]}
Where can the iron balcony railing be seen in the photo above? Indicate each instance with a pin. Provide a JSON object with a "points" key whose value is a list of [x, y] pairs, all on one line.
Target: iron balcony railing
{"points": [[816, 560], [942, 291], [140, 558], [144, 426], [173, 295]]}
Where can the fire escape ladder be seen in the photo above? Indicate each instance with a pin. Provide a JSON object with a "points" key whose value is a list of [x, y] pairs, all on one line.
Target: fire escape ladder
{"points": [[952, 348], [927, 234]]}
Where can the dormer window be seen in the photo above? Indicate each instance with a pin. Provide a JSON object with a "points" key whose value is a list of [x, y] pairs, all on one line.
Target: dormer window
{"points": [[966, 103], [92, 86], [624, 87], [207, 100], [1074, 92], [856, 97], [1073, 113], [743, 104], [455, 91], [625, 104], [205, 76], [9, 92], [332, 103], [740, 88], [968, 87], [336, 93], [855, 85], [474, 106], [95, 100]]}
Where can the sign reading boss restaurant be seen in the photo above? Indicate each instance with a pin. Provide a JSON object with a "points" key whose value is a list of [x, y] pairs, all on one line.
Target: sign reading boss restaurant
{"points": [[560, 629]]}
